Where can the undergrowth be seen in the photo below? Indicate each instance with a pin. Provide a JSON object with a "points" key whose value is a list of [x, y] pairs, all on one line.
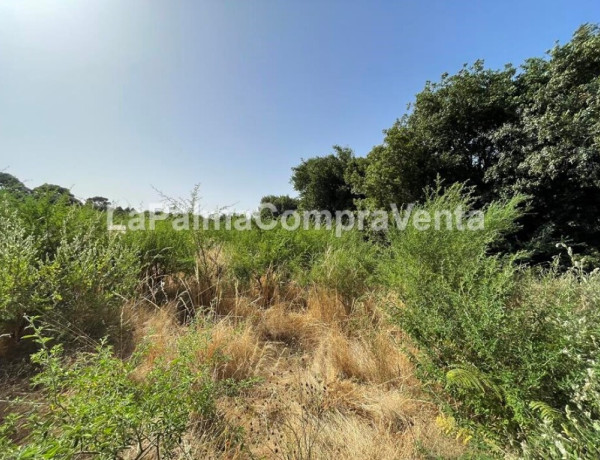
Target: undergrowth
{"points": [[507, 351]]}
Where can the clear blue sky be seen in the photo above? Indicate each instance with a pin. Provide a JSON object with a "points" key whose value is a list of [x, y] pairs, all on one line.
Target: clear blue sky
{"points": [[110, 97]]}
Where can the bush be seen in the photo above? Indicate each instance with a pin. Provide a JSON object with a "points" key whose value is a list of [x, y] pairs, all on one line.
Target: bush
{"points": [[97, 406], [74, 275], [46, 219], [575, 433], [502, 339], [454, 291], [91, 273], [19, 270], [163, 250], [256, 252]]}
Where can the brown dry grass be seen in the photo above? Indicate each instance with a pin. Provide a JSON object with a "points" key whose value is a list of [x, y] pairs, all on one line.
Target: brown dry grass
{"points": [[332, 382]]}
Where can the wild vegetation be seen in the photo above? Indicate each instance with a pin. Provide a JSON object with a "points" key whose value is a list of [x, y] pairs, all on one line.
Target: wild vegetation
{"points": [[413, 343], [531, 130]]}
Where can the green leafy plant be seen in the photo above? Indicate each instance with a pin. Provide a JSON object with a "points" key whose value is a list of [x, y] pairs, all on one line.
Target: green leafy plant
{"points": [[96, 404], [19, 271], [507, 342]]}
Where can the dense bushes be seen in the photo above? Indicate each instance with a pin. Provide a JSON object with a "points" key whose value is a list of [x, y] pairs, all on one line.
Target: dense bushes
{"points": [[89, 276], [19, 268], [255, 252], [511, 344], [162, 250], [575, 433], [68, 269], [348, 265]]}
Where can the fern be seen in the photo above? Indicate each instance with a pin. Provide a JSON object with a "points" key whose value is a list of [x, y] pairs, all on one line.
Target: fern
{"points": [[547, 412], [465, 379], [472, 378]]}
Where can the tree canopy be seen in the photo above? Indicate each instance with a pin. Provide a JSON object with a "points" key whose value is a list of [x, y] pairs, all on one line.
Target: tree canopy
{"points": [[99, 202], [55, 193], [10, 183], [281, 203], [322, 181], [532, 130]]}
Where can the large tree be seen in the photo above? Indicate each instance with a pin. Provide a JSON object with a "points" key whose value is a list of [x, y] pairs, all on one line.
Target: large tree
{"points": [[449, 133], [535, 131], [98, 202], [10, 183], [322, 181], [55, 193], [552, 152]]}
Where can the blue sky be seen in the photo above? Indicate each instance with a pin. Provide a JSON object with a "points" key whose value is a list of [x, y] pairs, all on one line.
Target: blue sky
{"points": [[113, 97]]}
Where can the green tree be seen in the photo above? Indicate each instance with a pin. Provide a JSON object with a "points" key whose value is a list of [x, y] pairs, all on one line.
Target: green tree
{"points": [[10, 183], [321, 181], [282, 203], [449, 133], [552, 152], [534, 132], [98, 202], [55, 193]]}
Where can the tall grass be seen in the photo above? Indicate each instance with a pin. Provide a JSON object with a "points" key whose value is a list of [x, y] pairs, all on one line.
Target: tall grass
{"points": [[348, 266]]}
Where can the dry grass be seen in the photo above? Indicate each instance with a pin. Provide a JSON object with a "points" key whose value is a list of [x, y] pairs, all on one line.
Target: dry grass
{"points": [[331, 382]]}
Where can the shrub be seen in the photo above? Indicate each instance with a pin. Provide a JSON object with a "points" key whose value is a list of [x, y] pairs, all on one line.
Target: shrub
{"points": [[74, 276], [163, 250], [574, 433], [19, 270], [88, 277], [96, 406], [505, 341], [46, 219], [454, 292]]}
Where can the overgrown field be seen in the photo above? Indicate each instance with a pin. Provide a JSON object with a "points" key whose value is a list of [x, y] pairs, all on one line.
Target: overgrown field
{"points": [[278, 344]]}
